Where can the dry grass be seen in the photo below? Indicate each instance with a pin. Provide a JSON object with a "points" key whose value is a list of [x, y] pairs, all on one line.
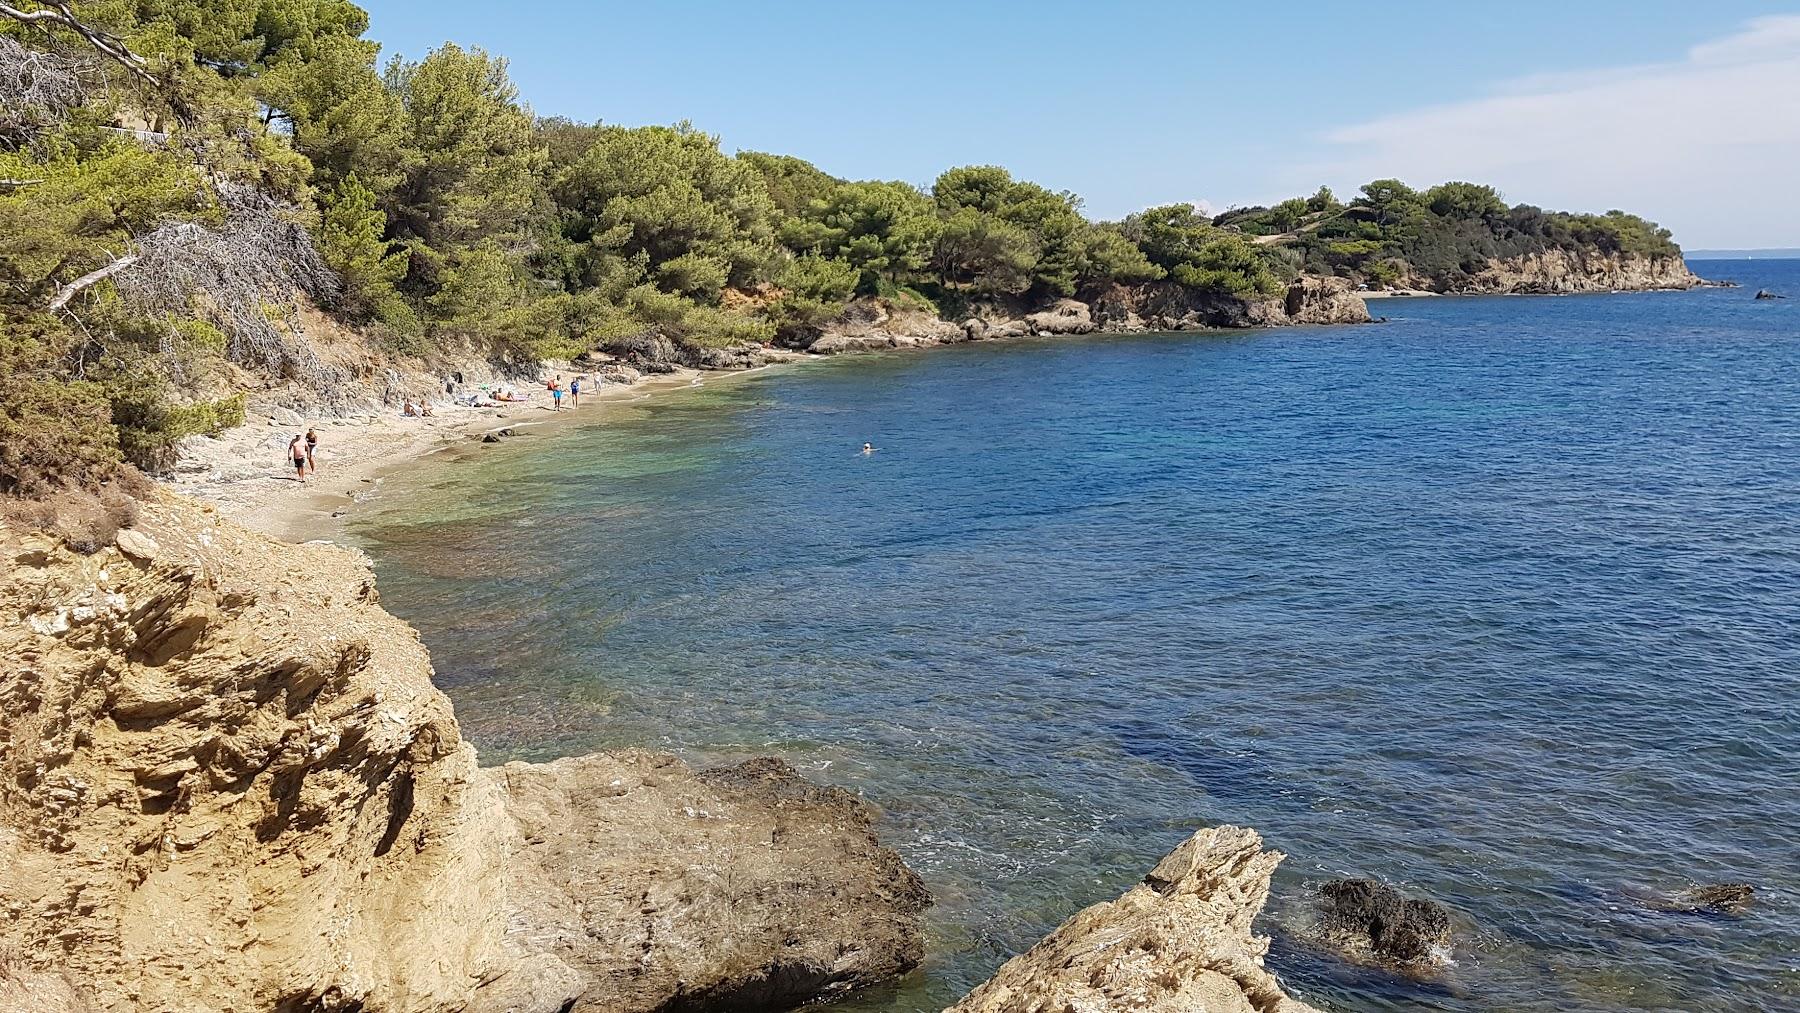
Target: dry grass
{"points": [[86, 521]]}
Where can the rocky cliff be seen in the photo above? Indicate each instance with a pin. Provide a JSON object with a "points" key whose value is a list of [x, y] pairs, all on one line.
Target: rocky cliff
{"points": [[227, 783], [1179, 942], [1159, 306], [1564, 272]]}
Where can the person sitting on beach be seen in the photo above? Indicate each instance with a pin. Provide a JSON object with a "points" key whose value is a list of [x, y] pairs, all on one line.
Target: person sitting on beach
{"points": [[425, 409], [297, 451], [409, 409]]}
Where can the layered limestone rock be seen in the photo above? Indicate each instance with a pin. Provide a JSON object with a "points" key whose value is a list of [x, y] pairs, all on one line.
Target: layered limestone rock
{"points": [[871, 324], [1179, 942], [1567, 272], [1165, 306], [227, 783]]}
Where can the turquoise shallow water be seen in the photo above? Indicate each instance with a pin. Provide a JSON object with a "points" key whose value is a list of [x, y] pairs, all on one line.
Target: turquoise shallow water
{"points": [[1499, 601]]}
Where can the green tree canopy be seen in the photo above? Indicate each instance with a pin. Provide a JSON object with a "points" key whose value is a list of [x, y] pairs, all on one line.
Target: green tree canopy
{"points": [[649, 195]]}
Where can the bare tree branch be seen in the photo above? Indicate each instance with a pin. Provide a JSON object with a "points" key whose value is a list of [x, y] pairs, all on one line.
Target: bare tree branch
{"points": [[61, 15], [244, 279], [92, 277]]}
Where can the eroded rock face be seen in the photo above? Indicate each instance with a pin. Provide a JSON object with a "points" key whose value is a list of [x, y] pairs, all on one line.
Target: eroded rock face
{"points": [[1564, 272], [1179, 942], [226, 782], [870, 324], [1324, 301]]}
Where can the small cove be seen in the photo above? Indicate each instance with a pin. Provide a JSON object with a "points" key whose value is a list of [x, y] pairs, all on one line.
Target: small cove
{"points": [[1497, 602]]}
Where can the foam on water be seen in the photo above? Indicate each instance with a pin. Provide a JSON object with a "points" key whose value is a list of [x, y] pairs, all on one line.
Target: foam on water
{"points": [[1498, 603]]}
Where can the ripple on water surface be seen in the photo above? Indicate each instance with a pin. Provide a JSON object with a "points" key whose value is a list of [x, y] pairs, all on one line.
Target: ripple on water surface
{"points": [[1497, 602]]}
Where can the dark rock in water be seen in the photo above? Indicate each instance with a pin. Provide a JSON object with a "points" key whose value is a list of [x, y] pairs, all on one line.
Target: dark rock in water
{"points": [[506, 432], [1763, 293], [1369, 919], [490, 438], [1713, 898]]}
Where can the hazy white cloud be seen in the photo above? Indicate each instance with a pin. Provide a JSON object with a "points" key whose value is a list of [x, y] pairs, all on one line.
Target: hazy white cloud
{"points": [[1708, 145]]}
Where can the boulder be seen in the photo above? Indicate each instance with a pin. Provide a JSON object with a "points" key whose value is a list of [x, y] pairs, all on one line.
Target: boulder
{"points": [[136, 544], [649, 351], [837, 343], [1065, 316], [641, 869], [1763, 293], [1179, 942], [744, 355], [1373, 922], [618, 373]]}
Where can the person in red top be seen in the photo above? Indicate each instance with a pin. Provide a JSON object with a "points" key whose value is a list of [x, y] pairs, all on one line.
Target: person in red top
{"points": [[556, 392]]}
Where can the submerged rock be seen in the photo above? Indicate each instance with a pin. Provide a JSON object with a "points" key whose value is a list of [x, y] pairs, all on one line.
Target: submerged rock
{"points": [[1179, 942], [1763, 293], [1370, 920], [1710, 898]]}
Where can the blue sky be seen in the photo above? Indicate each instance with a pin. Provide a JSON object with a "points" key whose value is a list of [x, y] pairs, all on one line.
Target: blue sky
{"points": [[1688, 112]]}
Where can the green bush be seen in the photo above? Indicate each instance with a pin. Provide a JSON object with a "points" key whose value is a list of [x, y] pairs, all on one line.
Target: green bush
{"points": [[55, 434]]}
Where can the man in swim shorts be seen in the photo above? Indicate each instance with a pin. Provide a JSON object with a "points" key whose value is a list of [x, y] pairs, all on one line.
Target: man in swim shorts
{"points": [[298, 452]]}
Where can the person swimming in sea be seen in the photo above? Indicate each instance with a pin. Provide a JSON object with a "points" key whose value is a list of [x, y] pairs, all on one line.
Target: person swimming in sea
{"points": [[868, 448]]}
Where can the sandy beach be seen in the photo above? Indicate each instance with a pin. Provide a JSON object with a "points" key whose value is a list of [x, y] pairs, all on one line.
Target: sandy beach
{"points": [[245, 474]]}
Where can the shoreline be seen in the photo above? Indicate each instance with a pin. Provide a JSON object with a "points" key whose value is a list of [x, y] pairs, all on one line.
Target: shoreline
{"points": [[359, 452], [356, 455]]}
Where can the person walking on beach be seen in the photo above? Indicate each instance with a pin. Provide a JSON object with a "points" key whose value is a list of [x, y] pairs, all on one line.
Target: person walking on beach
{"points": [[312, 444], [297, 451], [556, 393]]}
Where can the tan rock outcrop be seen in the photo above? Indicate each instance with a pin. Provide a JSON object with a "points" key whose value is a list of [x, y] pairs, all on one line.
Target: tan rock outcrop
{"points": [[1179, 942], [1567, 272], [227, 783], [870, 324], [1314, 300]]}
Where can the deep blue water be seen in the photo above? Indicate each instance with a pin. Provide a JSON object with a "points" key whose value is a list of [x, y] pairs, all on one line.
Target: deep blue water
{"points": [[1498, 601]]}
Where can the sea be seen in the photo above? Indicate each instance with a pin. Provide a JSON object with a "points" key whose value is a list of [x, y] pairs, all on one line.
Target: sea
{"points": [[1496, 601]]}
